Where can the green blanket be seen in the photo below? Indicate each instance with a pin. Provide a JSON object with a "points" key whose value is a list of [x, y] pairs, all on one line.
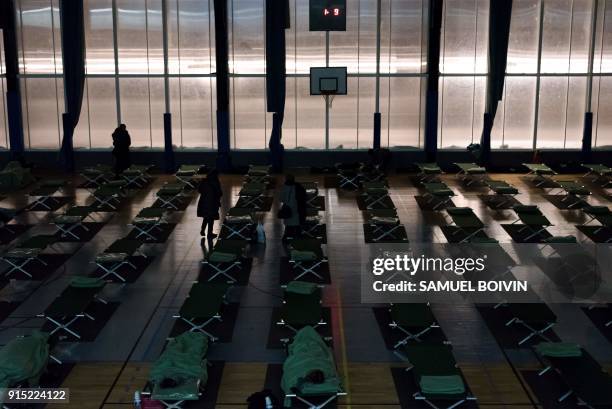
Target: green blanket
{"points": [[442, 385], [559, 349], [301, 287], [308, 352], [24, 359], [183, 360]]}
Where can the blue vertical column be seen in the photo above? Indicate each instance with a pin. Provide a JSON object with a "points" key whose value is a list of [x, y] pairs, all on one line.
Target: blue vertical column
{"points": [[222, 77], [433, 69], [13, 94]]}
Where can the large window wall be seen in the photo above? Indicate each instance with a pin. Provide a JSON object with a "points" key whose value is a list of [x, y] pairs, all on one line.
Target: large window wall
{"points": [[546, 93]]}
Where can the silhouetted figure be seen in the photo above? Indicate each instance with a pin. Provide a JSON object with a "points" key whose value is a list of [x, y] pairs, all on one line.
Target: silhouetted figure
{"points": [[293, 195], [209, 203], [121, 149]]}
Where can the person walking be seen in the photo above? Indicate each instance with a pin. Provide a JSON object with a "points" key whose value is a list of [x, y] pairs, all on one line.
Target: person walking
{"points": [[293, 200], [209, 203], [121, 149]]}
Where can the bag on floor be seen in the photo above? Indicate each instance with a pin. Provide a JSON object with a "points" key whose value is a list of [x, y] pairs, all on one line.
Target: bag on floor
{"points": [[261, 234], [263, 400]]}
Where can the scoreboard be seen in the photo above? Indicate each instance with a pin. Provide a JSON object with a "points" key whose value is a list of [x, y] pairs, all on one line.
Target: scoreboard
{"points": [[327, 15]]}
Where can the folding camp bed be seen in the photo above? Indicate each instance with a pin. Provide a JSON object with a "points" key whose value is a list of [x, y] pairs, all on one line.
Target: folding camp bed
{"points": [[436, 374], [118, 255], [602, 214], [312, 193], [301, 306], [72, 304], [97, 175], [349, 175], [136, 175], [110, 194], [376, 195], [252, 195], [203, 306], [539, 172], [312, 227], [466, 222], [600, 172], [413, 320], [180, 374], [532, 219], [371, 173], [23, 360], [428, 172], [44, 193], [574, 192], [383, 224], [306, 257], [258, 174], [187, 174], [148, 220], [27, 252], [438, 194], [6, 215], [471, 173], [537, 319], [226, 256], [503, 190], [72, 220], [239, 222], [170, 195], [308, 353], [582, 375]]}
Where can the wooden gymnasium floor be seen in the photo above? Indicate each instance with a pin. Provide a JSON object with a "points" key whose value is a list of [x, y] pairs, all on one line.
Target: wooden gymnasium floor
{"points": [[110, 368]]}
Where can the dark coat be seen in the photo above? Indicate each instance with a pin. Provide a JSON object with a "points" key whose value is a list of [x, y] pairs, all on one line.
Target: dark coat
{"points": [[210, 199]]}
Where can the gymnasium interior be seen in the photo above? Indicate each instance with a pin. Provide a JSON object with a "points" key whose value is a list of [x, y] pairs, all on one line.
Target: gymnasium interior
{"points": [[339, 143]]}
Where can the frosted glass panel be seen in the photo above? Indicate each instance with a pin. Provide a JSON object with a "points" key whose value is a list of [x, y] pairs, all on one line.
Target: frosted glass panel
{"points": [[343, 119], [556, 35], [135, 112], [310, 45], [344, 43], [310, 117], [98, 19], [40, 51], [157, 109], [405, 112], [464, 37], [102, 111], [461, 109], [367, 90], [408, 40], [561, 120], [523, 42], [193, 112], [514, 122], [189, 37], [248, 120], [247, 38], [3, 121], [553, 104], [603, 130], [132, 37], [43, 120]]}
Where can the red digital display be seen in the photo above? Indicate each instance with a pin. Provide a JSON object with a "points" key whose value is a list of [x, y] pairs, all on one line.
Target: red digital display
{"points": [[331, 11]]}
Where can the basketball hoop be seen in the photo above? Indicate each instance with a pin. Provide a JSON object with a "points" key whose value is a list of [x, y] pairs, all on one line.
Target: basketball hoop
{"points": [[328, 82]]}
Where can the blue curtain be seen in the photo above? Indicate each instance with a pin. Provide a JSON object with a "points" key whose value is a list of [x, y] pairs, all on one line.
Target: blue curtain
{"points": [[73, 51], [500, 15], [277, 21]]}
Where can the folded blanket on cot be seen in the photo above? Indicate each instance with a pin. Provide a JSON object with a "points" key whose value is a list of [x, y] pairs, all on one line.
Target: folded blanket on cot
{"points": [[308, 352], [301, 287], [24, 359], [299, 255], [183, 360], [442, 385], [559, 349], [87, 282], [221, 257]]}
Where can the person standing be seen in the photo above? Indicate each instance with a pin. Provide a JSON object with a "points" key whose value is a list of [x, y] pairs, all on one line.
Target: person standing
{"points": [[121, 148], [293, 196], [209, 203]]}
